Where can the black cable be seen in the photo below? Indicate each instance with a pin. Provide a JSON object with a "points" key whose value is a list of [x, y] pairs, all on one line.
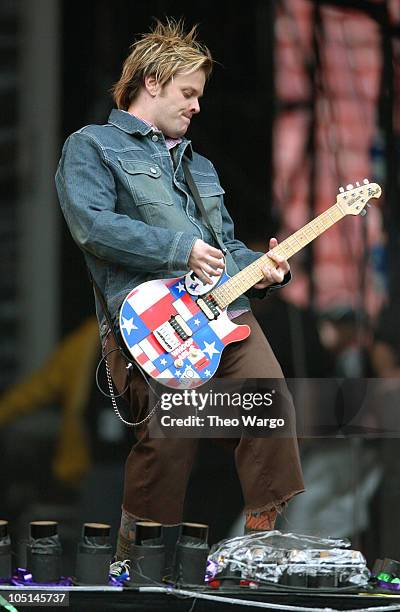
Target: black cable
{"points": [[112, 395], [287, 587], [104, 357]]}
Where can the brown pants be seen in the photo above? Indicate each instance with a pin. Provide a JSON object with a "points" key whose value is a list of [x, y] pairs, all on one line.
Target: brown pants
{"points": [[157, 469]]}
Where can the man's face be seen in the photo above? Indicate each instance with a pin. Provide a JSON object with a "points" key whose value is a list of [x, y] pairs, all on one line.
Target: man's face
{"points": [[176, 102]]}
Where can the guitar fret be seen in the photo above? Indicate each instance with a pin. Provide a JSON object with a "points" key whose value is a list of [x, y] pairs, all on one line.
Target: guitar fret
{"points": [[319, 225], [296, 239], [281, 250], [311, 233], [293, 243]]}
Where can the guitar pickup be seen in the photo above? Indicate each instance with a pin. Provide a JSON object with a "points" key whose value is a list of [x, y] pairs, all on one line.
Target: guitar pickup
{"points": [[209, 307], [180, 326], [165, 334]]}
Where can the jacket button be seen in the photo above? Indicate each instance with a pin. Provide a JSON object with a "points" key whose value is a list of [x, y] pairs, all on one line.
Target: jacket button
{"points": [[154, 138], [153, 170]]}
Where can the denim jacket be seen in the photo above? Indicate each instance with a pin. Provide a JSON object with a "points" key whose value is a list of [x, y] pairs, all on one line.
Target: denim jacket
{"points": [[129, 209]]}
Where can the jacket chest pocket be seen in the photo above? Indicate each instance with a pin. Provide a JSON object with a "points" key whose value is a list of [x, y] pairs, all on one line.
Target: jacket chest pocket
{"points": [[211, 195], [146, 182]]}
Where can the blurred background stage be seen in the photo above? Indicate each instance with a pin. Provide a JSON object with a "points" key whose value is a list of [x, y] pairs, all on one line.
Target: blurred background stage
{"points": [[305, 98]]}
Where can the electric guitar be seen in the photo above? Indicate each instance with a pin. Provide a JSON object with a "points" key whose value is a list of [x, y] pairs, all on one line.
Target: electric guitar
{"points": [[176, 328]]}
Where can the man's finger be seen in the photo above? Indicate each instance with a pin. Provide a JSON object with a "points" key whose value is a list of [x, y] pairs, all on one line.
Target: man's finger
{"points": [[205, 279], [204, 273], [273, 243], [268, 273], [215, 263], [215, 252], [212, 271], [281, 261]]}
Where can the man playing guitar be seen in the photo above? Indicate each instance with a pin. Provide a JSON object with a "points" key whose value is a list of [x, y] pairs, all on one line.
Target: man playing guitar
{"points": [[124, 195]]}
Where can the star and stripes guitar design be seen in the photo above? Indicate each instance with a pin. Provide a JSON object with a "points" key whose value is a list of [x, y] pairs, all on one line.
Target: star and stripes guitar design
{"points": [[176, 329]]}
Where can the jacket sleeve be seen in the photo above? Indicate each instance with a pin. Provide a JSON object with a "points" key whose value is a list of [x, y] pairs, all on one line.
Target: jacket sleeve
{"points": [[88, 196], [244, 256]]}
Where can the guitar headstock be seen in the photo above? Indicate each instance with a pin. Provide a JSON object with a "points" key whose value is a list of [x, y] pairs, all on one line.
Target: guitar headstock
{"points": [[353, 200]]}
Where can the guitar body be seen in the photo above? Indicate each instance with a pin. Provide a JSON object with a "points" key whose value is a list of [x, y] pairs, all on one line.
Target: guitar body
{"points": [[171, 337]]}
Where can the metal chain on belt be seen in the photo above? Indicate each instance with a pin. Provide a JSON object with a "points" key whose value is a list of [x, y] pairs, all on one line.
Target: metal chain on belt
{"points": [[115, 407]]}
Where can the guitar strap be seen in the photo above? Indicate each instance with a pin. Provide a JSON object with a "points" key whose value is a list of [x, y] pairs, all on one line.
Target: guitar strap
{"points": [[106, 313], [199, 203], [234, 268]]}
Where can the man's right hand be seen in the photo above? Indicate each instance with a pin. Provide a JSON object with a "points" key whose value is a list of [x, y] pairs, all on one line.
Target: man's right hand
{"points": [[206, 261]]}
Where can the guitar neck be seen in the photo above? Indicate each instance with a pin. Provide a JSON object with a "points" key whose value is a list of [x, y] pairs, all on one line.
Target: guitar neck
{"points": [[252, 274]]}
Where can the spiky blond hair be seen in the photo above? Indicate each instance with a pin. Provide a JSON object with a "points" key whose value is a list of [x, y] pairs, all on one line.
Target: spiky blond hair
{"points": [[163, 52]]}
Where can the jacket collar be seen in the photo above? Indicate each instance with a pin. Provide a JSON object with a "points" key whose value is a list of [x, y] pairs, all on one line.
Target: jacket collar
{"points": [[132, 125], [128, 123]]}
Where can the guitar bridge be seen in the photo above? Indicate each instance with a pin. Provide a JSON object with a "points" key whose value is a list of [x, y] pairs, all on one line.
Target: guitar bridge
{"points": [[167, 333]]}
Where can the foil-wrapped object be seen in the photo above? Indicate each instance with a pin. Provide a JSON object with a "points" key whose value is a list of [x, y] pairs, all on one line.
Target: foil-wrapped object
{"points": [[290, 559]]}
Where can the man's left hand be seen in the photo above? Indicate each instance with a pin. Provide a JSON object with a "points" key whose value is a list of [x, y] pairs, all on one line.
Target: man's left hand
{"points": [[274, 274]]}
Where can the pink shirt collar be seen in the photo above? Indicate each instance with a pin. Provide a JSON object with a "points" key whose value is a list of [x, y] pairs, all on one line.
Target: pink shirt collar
{"points": [[170, 142]]}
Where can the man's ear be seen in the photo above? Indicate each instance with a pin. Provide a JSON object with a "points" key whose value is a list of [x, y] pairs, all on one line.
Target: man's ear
{"points": [[151, 85]]}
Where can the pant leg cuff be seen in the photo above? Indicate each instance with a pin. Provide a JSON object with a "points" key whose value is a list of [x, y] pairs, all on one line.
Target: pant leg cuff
{"points": [[279, 504]]}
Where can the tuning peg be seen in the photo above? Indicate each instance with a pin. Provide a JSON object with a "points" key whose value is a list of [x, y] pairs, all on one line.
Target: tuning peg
{"points": [[349, 187], [363, 212], [365, 181], [357, 184], [341, 189]]}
